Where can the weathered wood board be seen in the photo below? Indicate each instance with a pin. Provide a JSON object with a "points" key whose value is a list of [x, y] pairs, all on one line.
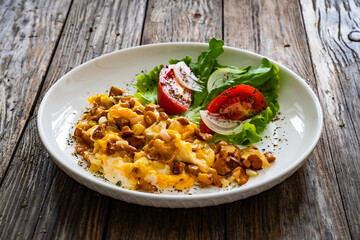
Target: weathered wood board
{"points": [[29, 32], [42, 40], [336, 63]]}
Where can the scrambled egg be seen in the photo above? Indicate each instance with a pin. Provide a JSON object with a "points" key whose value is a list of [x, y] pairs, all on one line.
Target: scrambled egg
{"points": [[140, 148]]}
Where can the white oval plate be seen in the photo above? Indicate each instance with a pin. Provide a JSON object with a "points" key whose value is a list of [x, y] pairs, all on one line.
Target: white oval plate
{"points": [[295, 134]]}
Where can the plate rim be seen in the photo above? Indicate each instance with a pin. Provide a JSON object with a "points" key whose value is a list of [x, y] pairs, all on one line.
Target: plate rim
{"points": [[273, 180]]}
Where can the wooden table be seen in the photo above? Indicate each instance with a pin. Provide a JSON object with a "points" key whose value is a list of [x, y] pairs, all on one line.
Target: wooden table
{"points": [[41, 40]]}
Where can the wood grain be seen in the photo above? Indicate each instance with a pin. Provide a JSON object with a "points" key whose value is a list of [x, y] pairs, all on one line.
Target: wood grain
{"points": [[308, 205], [24, 188], [42, 40], [67, 209], [28, 36], [182, 21], [336, 62], [71, 210], [160, 223]]}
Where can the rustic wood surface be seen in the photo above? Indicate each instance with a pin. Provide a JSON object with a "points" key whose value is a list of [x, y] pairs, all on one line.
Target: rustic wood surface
{"points": [[42, 40], [29, 33], [287, 44]]}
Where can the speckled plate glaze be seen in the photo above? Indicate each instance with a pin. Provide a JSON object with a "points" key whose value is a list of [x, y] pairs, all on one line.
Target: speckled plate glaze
{"points": [[291, 138]]}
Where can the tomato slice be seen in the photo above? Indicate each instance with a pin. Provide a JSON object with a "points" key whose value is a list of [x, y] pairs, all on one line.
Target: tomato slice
{"points": [[236, 103], [172, 96], [204, 128]]}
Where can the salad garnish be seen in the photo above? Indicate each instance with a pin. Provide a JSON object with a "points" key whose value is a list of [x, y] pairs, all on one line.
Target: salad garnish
{"points": [[213, 122], [186, 77], [234, 93]]}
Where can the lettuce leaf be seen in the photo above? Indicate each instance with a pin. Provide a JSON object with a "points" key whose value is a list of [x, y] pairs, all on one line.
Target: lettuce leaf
{"points": [[186, 60], [266, 79], [203, 68], [147, 86], [193, 115], [251, 131], [147, 83], [207, 60], [246, 137]]}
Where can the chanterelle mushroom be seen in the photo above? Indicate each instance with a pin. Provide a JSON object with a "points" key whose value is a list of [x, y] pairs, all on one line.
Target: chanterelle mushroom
{"points": [[163, 148]]}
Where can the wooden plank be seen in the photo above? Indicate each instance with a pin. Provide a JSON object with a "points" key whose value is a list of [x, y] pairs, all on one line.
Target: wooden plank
{"points": [[28, 35], [172, 21], [182, 21], [71, 210], [131, 221], [24, 188], [308, 205], [67, 209], [74, 209], [336, 62], [111, 30]]}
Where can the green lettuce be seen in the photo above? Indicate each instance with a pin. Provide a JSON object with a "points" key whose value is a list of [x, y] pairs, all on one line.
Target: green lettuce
{"points": [[186, 60], [147, 86], [203, 68], [247, 136], [193, 115], [207, 60], [147, 83], [266, 79]]}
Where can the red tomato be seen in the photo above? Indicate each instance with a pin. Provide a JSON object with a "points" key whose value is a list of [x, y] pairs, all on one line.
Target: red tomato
{"points": [[204, 128], [236, 103], [172, 96]]}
